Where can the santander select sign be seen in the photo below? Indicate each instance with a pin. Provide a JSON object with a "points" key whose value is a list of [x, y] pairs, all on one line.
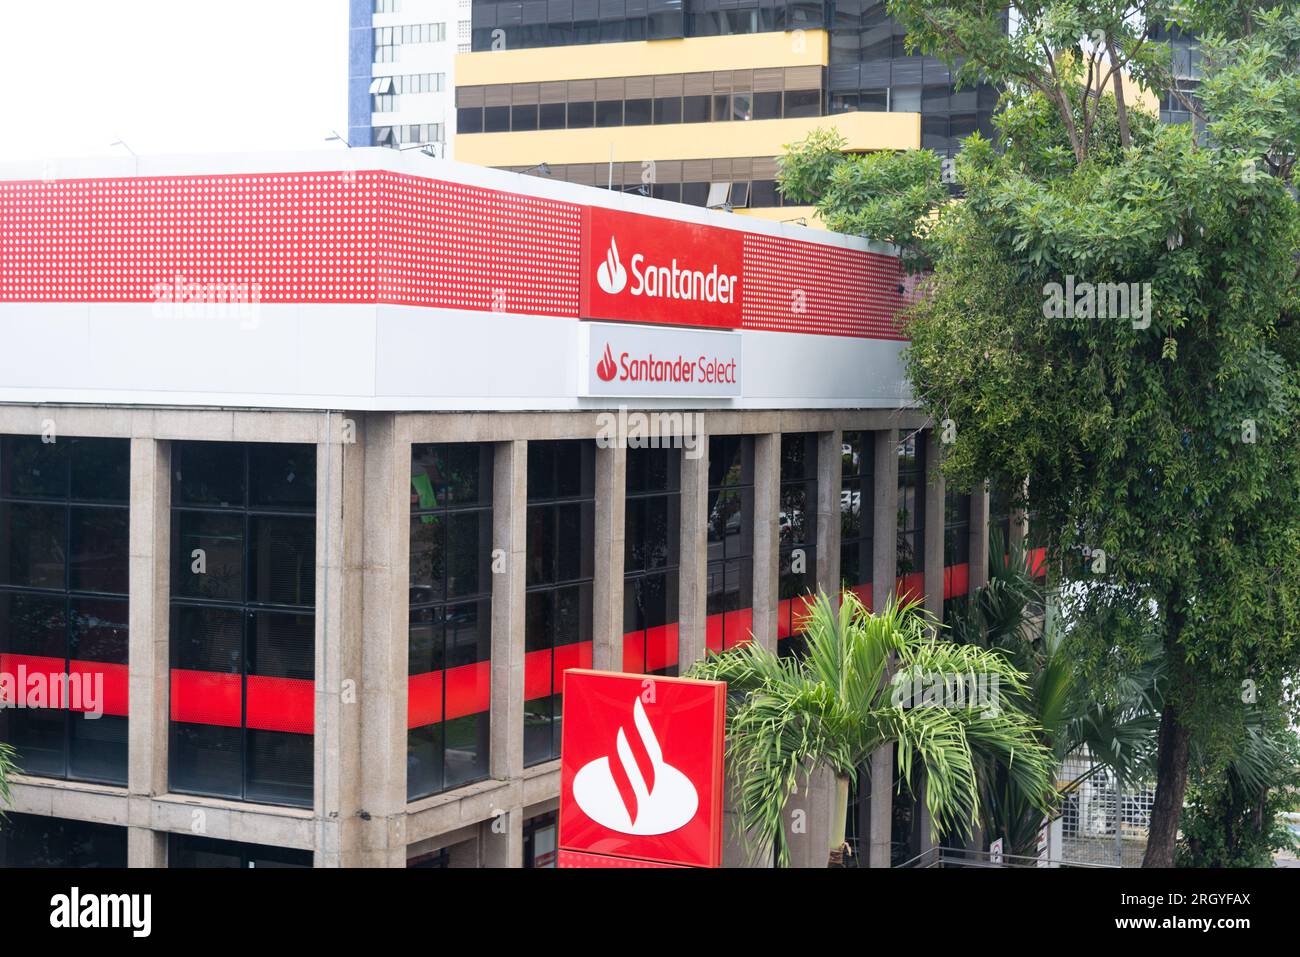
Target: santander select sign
{"points": [[651, 361], [647, 269]]}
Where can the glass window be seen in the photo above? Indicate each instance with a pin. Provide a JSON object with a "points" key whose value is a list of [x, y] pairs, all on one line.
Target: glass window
{"points": [[188, 850], [582, 115], [450, 646], [905, 99], [696, 109], [857, 521], [668, 109], [31, 840], [469, 119], [796, 538], [523, 117], [803, 103], [730, 584], [496, 119], [695, 194], [243, 595], [652, 527], [541, 840], [64, 561], [609, 113], [956, 552], [911, 505], [550, 116], [636, 112], [763, 194], [558, 575], [767, 106]]}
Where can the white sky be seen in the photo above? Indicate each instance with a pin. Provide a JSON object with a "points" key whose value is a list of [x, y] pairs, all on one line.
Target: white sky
{"points": [[170, 76]]}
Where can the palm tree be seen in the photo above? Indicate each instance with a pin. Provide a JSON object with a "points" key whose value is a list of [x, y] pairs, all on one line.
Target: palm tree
{"points": [[7, 770], [1118, 727], [840, 702]]}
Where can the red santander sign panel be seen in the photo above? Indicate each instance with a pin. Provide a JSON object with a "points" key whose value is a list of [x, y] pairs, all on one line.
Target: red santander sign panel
{"points": [[641, 769], [638, 268]]}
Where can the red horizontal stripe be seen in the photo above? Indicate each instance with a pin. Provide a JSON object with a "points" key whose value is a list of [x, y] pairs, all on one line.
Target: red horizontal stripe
{"points": [[115, 688], [739, 629], [911, 587], [213, 697], [653, 649], [114, 683], [469, 691], [956, 580], [281, 704], [206, 697]]}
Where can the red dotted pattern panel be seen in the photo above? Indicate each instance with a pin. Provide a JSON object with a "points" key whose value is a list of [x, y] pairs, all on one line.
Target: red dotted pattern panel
{"points": [[375, 236], [300, 237], [791, 286], [463, 247]]}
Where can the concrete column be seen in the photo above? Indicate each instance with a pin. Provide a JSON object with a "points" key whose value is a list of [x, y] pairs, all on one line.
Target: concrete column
{"points": [[934, 520], [884, 572], [340, 527], [829, 484], [386, 536], [808, 819], [694, 554], [979, 538], [501, 839], [607, 586], [767, 503], [509, 531], [145, 847], [808, 815], [1019, 530], [149, 623]]}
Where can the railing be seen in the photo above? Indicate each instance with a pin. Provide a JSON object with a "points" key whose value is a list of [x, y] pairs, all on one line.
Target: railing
{"points": [[961, 857]]}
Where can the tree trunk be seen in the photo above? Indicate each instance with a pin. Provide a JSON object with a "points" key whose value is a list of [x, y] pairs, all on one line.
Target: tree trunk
{"points": [[1171, 783], [839, 821], [1121, 108]]}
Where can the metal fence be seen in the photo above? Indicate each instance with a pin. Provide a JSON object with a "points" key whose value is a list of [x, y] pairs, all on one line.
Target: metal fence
{"points": [[1102, 820]]}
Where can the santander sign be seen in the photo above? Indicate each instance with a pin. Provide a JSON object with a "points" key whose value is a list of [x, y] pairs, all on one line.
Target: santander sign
{"points": [[648, 269], [621, 359], [641, 770]]}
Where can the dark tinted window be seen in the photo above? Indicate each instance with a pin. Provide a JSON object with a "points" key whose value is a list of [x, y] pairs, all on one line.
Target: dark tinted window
{"points": [[64, 577], [243, 590], [450, 635]]}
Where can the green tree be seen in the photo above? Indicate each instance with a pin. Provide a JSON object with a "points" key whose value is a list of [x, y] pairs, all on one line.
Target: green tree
{"points": [[1232, 815], [7, 770], [1158, 433], [1072, 53], [887, 196], [1011, 615], [838, 704]]}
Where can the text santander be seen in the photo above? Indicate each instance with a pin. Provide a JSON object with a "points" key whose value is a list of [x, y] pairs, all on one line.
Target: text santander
{"points": [[670, 282]]}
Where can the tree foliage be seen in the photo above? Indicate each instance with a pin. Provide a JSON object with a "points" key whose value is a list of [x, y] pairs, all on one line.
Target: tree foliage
{"points": [[836, 706]]}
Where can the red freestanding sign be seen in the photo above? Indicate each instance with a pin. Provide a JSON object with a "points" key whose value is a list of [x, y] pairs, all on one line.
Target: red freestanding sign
{"points": [[641, 770], [638, 268]]}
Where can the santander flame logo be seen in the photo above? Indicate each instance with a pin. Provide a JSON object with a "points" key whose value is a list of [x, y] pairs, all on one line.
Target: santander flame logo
{"points": [[665, 803], [611, 276], [606, 367]]}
